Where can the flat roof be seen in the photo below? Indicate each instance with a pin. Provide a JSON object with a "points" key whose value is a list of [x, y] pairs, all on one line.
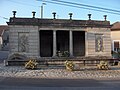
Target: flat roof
{"points": [[58, 22]]}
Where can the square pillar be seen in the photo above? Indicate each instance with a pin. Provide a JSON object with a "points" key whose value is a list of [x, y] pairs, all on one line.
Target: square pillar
{"points": [[112, 45], [54, 43], [39, 44], [71, 43], [86, 44]]}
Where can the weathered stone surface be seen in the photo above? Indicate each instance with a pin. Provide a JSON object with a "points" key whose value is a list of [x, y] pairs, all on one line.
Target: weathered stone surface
{"points": [[17, 56]]}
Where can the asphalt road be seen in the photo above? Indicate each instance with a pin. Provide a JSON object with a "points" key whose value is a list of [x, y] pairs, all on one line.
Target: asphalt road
{"points": [[8, 83]]}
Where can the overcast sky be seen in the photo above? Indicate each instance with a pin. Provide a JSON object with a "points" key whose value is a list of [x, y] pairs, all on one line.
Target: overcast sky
{"points": [[24, 8]]}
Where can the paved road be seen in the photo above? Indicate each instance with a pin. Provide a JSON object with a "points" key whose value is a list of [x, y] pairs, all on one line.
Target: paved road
{"points": [[7, 83]]}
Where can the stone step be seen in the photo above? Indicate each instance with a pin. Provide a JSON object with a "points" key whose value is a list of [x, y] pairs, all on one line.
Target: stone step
{"points": [[59, 61]]}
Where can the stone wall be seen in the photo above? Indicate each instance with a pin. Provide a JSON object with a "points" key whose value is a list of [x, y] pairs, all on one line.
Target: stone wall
{"points": [[33, 39], [91, 50]]}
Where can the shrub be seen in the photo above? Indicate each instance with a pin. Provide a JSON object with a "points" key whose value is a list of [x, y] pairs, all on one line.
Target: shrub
{"points": [[69, 65], [31, 64], [66, 54], [103, 65]]}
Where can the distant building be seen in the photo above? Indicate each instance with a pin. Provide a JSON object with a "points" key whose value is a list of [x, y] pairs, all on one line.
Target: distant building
{"points": [[115, 36], [4, 36], [37, 37]]}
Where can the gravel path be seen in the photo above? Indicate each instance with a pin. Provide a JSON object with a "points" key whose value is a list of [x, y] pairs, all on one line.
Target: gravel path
{"points": [[87, 73]]}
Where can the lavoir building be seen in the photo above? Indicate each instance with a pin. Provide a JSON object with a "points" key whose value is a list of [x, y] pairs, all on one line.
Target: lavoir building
{"points": [[41, 37]]}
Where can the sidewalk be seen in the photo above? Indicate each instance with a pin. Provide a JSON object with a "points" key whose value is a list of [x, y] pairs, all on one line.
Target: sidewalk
{"points": [[47, 72]]}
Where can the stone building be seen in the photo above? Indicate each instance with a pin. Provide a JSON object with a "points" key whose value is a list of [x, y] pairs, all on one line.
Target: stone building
{"points": [[115, 36], [4, 37], [36, 37]]}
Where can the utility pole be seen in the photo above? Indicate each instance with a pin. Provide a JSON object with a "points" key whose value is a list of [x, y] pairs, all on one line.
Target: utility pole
{"points": [[42, 10]]}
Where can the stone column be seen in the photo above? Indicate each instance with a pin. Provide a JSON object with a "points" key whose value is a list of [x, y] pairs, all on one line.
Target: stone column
{"points": [[71, 43], [39, 44], [112, 45], [54, 43], [86, 44]]}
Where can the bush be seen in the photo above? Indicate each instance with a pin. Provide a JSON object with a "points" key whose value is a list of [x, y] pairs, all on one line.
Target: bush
{"points": [[31, 64], [63, 54], [103, 65], [69, 65], [66, 54]]}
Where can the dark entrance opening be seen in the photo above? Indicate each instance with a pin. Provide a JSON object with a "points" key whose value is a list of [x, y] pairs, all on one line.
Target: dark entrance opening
{"points": [[46, 43], [78, 43], [62, 41]]}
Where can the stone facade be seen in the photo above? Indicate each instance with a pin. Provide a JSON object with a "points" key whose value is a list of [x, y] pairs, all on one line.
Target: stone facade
{"points": [[33, 40], [91, 36], [45, 37]]}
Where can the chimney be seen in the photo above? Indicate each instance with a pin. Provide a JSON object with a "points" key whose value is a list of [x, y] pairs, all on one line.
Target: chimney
{"points": [[33, 14], [105, 17], [54, 15], [89, 16], [70, 16], [14, 13]]}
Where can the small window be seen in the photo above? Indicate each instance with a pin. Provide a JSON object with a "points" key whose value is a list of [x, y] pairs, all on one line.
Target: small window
{"points": [[116, 45]]}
